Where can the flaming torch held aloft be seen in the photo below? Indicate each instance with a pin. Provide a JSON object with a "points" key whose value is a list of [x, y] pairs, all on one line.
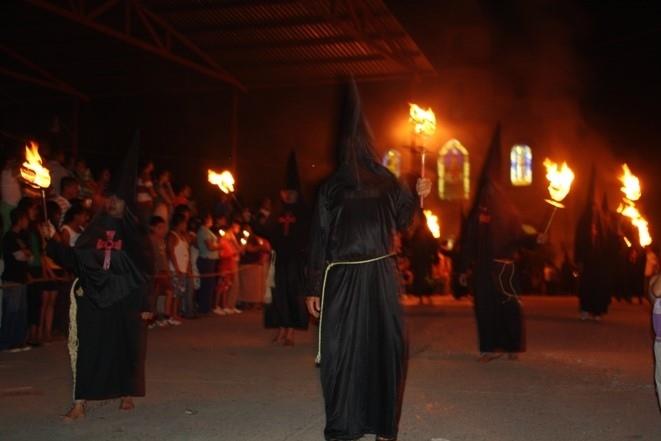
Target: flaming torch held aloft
{"points": [[224, 180], [560, 180], [423, 123], [34, 173], [632, 192], [432, 223]]}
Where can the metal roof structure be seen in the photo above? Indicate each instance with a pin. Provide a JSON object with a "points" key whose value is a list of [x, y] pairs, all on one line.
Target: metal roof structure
{"points": [[88, 48]]}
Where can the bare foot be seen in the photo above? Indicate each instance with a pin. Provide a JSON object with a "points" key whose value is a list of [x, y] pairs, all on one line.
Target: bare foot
{"points": [[126, 404], [486, 357], [75, 413], [288, 342]]}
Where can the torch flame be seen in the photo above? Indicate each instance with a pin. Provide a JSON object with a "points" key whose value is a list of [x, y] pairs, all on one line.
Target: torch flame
{"points": [[424, 121], [560, 179], [432, 223], [630, 184], [631, 189], [32, 170], [224, 180]]}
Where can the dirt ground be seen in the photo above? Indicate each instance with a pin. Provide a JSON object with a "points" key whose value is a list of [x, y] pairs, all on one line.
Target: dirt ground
{"points": [[221, 379]]}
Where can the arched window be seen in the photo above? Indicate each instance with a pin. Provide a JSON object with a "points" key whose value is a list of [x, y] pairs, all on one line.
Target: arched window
{"points": [[521, 165], [453, 171], [392, 160]]}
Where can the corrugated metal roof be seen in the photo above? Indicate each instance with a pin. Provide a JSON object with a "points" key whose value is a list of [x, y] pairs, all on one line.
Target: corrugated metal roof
{"points": [[270, 42], [259, 43]]}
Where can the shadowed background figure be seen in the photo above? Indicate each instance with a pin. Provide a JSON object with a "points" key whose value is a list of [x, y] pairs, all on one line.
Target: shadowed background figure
{"points": [[289, 236], [489, 245]]}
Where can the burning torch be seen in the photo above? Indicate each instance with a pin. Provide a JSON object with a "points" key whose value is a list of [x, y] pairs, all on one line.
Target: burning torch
{"points": [[632, 193], [34, 173], [423, 123], [560, 179], [432, 223]]}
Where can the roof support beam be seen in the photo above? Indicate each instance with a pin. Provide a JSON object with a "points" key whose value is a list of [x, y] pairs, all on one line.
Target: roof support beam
{"points": [[192, 57], [316, 61], [42, 78], [296, 43]]}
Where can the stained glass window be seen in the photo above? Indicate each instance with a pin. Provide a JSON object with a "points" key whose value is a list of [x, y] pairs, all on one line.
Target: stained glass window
{"points": [[453, 171], [392, 160], [521, 165]]}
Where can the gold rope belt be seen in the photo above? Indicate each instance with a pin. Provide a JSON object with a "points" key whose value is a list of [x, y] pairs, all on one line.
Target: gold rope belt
{"points": [[72, 341], [323, 290]]}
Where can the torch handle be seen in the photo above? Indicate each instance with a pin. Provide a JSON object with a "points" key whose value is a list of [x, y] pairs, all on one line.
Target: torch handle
{"points": [[43, 200], [423, 157], [548, 224]]}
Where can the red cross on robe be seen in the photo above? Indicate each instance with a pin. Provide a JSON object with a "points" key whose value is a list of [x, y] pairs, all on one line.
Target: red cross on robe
{"points": [[107, 245]]}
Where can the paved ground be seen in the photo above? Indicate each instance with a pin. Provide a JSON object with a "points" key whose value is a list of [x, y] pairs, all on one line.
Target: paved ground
{"points": [[220, 379]]}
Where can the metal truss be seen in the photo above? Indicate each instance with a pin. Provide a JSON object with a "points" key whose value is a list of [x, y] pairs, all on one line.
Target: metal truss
{"points": [[130, 22]]}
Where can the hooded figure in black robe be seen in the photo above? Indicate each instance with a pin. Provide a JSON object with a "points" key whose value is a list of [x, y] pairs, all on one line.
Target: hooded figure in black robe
{"points": [[354, 284], [289, 240], [491, 238], [111, 261], [592, 254]]}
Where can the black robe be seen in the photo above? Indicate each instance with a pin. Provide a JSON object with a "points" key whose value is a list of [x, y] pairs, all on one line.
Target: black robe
{"points": [[111, 337], [593, 254], [362, 352], [289, 237], [490, 251], [422, 250]]}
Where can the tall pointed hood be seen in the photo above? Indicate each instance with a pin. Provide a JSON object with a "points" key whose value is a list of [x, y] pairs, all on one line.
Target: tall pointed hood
{"points": [[354, 143], [491, 169], [590, 227], [125, 177], [292, 179]]}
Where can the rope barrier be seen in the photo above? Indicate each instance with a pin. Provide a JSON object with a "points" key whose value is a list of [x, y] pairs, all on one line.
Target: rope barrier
{"points": [[153, 276]]}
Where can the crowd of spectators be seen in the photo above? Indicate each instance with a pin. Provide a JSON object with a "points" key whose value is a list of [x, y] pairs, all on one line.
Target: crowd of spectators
{"points": [[201, 258]]}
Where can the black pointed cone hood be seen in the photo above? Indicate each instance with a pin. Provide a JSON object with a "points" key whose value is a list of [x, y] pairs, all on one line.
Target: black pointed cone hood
{"points": [[125, 178], [491, 174], [354, 143], [292, 179]]}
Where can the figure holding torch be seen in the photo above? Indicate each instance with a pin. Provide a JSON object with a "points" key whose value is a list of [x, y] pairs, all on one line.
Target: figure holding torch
{"points": [[34, 173], [424, 124], [560, 180]]}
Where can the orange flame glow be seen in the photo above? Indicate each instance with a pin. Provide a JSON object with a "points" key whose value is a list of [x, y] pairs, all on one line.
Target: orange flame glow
{"points": [[224, 180], [632, 192], [432, 223], [630, 184], [560, 179], [32, 170], [424, 121]]}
